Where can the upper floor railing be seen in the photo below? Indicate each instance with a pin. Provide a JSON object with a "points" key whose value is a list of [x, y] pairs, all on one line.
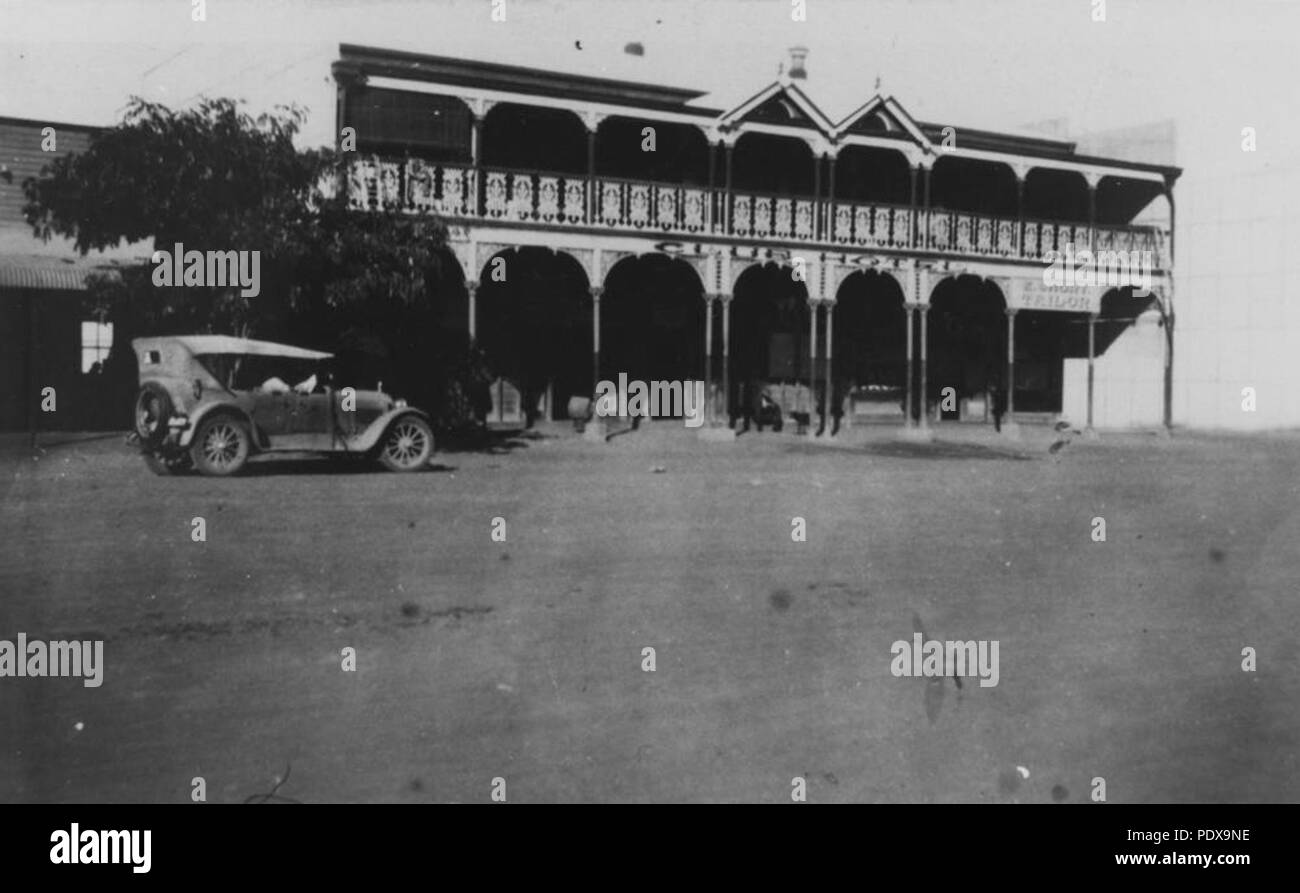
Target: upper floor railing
{"points": [[562, 200]]}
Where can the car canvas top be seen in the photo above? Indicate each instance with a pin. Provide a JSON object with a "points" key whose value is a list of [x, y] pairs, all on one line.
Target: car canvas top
{"points": [[200, 345]]}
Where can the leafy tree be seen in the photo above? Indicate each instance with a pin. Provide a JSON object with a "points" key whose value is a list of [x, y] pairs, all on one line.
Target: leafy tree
{"points": [[214, 177]]}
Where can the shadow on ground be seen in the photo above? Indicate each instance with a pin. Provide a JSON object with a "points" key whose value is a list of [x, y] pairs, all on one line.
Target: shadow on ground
{"points": [[491, 442], [324, 465], [939, 449]]}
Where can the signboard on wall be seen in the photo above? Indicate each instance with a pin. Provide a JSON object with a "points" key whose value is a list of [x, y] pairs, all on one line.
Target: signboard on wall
{"points": [[1033, 294]]}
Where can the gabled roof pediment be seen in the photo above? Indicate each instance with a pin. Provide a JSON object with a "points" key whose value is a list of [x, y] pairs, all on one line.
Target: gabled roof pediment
{"points": [[781, 103], [881, 117], [779, 109]]}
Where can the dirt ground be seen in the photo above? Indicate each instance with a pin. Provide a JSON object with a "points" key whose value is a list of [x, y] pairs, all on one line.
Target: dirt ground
{"points": [[523, 659]]}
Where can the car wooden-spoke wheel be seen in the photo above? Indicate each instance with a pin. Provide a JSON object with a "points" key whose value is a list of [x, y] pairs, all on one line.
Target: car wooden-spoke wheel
{"points": [[220, 446], [407, 445]]}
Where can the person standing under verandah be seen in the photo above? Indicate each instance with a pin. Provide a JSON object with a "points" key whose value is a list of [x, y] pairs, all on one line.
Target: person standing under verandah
{"points": [[998, 397]]}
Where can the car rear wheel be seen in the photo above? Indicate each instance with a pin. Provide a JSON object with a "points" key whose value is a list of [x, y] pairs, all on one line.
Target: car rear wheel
{"points": [[408, 444], [221, 445], [153, 410]]}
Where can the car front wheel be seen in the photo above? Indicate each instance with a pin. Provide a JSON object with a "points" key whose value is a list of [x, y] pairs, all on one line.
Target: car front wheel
{"points": [[408, 444], [221, 445]]}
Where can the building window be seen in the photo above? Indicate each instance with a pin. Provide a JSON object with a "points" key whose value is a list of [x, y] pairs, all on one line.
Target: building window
{"points": [[96, 339]]}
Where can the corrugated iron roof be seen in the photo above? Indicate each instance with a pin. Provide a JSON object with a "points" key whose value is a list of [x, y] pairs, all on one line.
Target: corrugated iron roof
{"points": [[56, 277], [27, 262]]}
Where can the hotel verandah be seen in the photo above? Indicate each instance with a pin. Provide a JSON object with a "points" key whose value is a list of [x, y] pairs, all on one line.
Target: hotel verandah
{"points": [[866, 265]]}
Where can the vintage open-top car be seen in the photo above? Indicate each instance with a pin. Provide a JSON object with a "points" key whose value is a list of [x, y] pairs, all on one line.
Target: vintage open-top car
{"points": [[211, 401]]}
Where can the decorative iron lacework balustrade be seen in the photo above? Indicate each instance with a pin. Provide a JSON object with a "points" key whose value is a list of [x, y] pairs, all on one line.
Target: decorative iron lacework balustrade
{"points": [[553, 199]]}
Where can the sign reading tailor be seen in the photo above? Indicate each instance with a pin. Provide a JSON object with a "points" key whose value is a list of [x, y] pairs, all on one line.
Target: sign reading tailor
{"points": [[36, 658], [649, 399], [209, 268], [1036, 296], [934, 658]]}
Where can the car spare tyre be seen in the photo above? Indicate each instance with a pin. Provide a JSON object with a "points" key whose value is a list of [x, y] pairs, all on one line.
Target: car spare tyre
{"points": [[153, 410]]}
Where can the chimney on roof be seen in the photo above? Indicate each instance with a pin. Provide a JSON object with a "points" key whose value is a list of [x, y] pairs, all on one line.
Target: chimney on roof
{"points": [[797, 57]]}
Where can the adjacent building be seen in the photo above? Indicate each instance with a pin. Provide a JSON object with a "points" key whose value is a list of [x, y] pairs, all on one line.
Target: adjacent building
{"points": [[53, 351]]}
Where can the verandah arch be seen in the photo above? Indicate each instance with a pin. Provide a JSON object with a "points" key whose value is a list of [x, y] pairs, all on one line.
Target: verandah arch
{"points": [[652, 320], [534, 326], [966, 340], [869, 341], [769, 337]]}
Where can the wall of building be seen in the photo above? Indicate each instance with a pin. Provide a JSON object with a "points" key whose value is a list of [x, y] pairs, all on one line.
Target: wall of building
{"points": [[52, 359], [1128, 380], [13, 360], [1238, 298], [21, 157], [1237, 277]]}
